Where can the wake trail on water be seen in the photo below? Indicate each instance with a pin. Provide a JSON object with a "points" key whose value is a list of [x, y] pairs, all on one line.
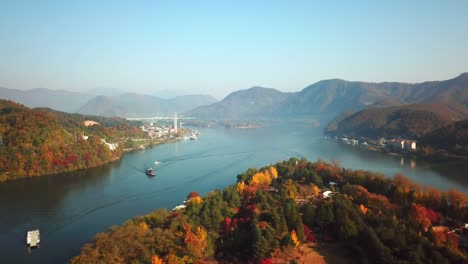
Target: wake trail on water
{"points": [[246, 155]]}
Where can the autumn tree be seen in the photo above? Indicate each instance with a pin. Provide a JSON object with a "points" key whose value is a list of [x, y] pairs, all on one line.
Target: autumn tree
{"points": [[196, 241]]}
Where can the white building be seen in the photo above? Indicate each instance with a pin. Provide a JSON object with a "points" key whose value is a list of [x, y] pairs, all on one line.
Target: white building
{"points": [[175, 123]]}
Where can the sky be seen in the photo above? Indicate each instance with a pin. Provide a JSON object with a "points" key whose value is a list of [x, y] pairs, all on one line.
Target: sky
{"points": [[216, 47]]}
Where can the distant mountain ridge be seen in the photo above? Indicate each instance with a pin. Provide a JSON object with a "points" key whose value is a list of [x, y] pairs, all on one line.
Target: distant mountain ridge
{"points": [[437, 104], [137, 105], [42, 97], [249, 103], [114, 103], [329, 98], [323, 100]]}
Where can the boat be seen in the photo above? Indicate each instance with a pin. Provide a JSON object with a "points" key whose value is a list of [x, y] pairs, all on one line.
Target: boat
{"points": [[150, 172], [33, 237], [157, 162], [193, 137]]}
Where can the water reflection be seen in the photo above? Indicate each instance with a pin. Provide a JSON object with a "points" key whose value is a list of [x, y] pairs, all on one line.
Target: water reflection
{"points": [[70, 208], [39, 202]]}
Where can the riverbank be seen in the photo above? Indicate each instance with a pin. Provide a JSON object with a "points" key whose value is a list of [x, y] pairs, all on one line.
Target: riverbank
{"points": [[71, 208], [6, 176]]}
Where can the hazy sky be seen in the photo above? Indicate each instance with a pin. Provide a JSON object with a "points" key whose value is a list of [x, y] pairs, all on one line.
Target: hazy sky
{"points": [[216, 47]]}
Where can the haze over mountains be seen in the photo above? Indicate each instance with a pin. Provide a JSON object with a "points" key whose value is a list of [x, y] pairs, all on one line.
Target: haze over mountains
{"points": [[41, 97], [137, 105], [327, 99], [104, 101], [323, 101]]}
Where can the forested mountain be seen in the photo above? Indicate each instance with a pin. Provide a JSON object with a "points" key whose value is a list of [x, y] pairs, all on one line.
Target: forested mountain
{"points": [[138, 105], [452, 138], [252, 103], [43, 141], [336, 96], [289, 211], [409, 121], [327, 99], [56, 99]]}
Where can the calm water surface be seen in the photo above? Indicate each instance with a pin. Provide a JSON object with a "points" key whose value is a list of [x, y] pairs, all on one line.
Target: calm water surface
{"points": [[69, 209]]}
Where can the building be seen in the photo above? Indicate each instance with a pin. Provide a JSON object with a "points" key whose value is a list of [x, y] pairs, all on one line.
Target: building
{"points": [[90, 123], [175, 123]]}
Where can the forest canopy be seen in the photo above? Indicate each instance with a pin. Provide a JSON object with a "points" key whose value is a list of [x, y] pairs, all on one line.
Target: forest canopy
{"points": [[373, 219], [42, 141]]}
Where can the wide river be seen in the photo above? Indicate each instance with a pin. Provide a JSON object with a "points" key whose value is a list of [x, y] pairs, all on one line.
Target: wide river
{"points": [[70, 209]]}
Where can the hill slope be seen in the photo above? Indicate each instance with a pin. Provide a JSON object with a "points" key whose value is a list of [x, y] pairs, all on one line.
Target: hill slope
{"points": [[326, 99], [272, 211], [252, 103], [410, 121], [42, 141], [452, 138]]}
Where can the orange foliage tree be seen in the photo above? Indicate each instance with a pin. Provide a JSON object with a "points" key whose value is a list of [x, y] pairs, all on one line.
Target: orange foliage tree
{"points": [[196, 242], [156, 260], [295, 239]]}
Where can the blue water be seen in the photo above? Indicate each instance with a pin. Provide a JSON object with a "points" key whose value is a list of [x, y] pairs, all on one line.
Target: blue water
{"points": [[70, 209]]}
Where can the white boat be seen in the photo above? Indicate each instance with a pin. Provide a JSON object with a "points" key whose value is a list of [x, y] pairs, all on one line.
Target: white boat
{"points": [[33, 237], [157, 162], [193, 137]]}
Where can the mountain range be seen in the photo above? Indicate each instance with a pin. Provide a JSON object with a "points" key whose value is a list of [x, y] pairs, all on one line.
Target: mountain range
{"points": [[138, 105], [329, 98], [61, 100], [112, 103], [322, 101]]}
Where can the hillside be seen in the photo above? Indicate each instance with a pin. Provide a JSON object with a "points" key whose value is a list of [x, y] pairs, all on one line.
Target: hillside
{"points": [[252, 103], [56, 99], [410, 121], [336, 96], [452, 138], [137, 105], [43, 141], [326, 99], [289, 210]]}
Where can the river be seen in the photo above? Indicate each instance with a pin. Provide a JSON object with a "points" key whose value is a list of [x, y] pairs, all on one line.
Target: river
{"points": [[70, 209]]}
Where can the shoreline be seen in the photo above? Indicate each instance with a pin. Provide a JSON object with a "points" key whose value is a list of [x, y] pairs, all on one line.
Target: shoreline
{"points": [[124, 151], [436, 159]]}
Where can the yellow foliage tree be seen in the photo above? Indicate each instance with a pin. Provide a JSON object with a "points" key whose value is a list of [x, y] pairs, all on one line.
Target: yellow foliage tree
{"points": [[363, 209], [174, 259], [273, 172], [295, 239], [156, 260], [143, 226], [240, 187], [195, 200], [260, 178]]}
